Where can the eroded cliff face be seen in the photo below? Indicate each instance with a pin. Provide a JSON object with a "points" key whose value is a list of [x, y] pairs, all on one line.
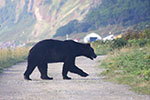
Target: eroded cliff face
{"points": [[32, 20]]}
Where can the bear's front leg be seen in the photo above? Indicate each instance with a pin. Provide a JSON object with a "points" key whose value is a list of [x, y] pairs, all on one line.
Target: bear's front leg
{"points": [[76, 70]]}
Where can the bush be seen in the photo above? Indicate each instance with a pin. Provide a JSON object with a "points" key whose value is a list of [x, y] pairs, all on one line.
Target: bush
{"points": [[132, 34], [118, 43], [145, 34], [132, 38], [101, 48]]}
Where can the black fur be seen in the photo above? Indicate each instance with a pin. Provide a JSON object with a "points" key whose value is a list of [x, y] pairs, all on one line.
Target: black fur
{"points": [[50, 51]]}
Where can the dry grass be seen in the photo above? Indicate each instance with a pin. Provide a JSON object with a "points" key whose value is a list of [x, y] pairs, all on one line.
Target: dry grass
{"points": [[11, 56]]}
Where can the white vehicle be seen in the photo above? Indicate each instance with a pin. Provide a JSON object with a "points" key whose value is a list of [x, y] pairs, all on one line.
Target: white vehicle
{"points": [[92, 37], [110, 37]]}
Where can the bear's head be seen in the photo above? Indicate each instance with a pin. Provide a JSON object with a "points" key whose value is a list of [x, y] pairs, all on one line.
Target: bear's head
{"points": [[89, 52]]}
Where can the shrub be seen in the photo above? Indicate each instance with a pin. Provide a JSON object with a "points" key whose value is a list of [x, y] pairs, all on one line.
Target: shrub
{"points": [[118, 43], [131, 34], [101, 48], [145, 34]]}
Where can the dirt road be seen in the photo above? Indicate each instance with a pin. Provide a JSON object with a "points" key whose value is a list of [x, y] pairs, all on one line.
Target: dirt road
{"points": [[14, 87]]}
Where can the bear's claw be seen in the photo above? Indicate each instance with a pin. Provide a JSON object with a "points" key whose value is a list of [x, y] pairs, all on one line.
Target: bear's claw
{"points": [[27, 78], [84, 74], [67, 78], [47, 78]]}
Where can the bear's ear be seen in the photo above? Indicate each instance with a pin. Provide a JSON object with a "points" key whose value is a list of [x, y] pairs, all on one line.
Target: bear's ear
{"points": [[89, 44]]}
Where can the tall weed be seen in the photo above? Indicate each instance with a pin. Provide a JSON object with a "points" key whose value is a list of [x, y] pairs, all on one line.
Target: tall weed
{"points": [[11, 56]]}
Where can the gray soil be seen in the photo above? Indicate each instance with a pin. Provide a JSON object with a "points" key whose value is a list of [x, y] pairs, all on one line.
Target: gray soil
{"points": [[93, 87]]}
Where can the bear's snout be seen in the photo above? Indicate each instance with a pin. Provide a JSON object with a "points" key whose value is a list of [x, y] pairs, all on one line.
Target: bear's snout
{"points": [[93, 56]]}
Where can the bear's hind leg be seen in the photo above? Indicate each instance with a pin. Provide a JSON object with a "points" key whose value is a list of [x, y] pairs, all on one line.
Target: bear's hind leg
{"points": [[28, 71], [43, 70], [65, 71]]}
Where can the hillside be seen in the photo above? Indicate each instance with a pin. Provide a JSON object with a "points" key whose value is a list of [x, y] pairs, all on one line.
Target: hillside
{"points": [[31, 20], [125, 13]]}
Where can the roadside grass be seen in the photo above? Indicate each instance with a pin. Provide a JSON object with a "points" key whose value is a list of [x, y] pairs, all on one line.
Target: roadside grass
{"points": [[101, 48], [129, 66], [9, 57]]}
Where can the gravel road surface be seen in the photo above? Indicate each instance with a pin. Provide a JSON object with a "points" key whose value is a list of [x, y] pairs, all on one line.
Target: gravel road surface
{"points": [[93, 87]]}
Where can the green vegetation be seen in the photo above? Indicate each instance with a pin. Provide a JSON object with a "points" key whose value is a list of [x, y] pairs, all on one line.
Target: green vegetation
{"points": [[126, 12], [129, 39], [129, 60], [101, 48], [9, 57], [130, 66], [111, 12]]}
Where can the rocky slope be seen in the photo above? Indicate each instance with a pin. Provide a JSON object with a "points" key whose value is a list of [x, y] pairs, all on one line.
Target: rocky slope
{"points": [[32, 20]]}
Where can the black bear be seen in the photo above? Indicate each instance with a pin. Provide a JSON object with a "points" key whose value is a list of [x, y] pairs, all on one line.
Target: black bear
{"points": [[50, 51]]}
